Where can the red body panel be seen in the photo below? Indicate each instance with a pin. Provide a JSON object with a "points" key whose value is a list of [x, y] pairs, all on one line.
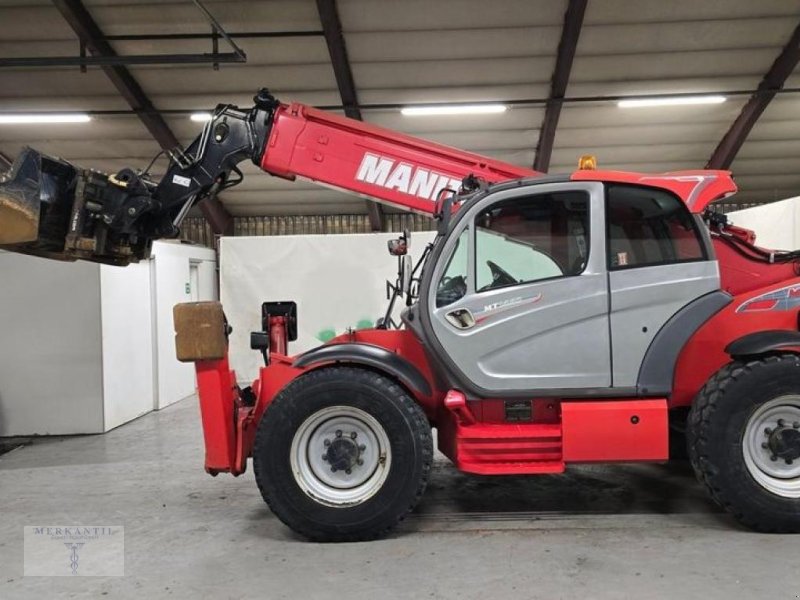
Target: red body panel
{"points": [[765, 296], [614, 430], [403, 343], [704, 353], [216, 388], [611, 430], [696, 188], [739, 275]]}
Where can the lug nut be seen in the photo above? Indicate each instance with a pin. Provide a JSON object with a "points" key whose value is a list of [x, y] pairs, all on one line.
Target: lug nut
{"points": [[131, 211], [348, 471], [338, 433], [796, 424], [764, 445], [353, 435], [773, 458], [333, 469], [359, 462], [327, 443], [325, 457], [789, 461], [768, 431], [362, 447], [781, 422]]}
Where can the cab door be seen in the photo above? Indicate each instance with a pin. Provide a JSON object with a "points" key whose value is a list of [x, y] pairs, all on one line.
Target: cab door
{"points": [[659, 263], [518, 301]]}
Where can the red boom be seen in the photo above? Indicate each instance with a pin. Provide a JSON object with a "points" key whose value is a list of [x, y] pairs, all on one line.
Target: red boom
{"points": [[371, 161]]}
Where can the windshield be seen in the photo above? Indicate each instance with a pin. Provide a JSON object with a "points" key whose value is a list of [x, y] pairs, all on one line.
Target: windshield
{"points": [[519, 260]]}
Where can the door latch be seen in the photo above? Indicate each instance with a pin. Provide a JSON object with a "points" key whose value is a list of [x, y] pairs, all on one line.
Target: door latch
{"points": [[460, 318]]}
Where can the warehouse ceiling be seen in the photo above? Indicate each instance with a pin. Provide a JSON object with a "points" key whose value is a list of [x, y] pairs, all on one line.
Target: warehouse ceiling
{"points": [[421, 51]]}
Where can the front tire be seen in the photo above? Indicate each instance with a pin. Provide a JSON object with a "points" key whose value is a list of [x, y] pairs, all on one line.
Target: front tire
{"points": [[744, 441], [342, 454]]}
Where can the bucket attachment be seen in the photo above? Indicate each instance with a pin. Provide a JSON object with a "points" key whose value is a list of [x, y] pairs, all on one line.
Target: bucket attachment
{"points": [[51, 208]]}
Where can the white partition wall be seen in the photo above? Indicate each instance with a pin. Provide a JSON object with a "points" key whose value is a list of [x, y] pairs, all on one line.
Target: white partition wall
{"points": [[180, 273], [51, 369], [338, 281], [86, 347], [777, 225], [127, 343]]}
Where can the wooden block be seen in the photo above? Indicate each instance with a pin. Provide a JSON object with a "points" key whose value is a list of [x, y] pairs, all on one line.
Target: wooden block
{"points": [[18, 223], [200, 331]]}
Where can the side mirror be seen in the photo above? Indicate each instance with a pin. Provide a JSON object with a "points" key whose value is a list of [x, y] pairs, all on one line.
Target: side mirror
{"points": [[400, 246]]}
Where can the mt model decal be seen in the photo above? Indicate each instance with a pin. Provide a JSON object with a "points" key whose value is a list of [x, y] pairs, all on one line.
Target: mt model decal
{"points": [[786, 298], [404, 177], [495, 308]]}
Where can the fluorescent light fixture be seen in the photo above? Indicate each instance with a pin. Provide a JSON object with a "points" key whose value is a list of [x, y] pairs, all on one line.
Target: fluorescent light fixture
{"points": [[453, 109], [200, 117], [20, 119], [673, 101]]}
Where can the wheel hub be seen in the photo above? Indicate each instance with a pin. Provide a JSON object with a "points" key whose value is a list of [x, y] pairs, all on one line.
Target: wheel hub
{"points": [[340, 456], [784, 442], [771, 446], [343, 453]]}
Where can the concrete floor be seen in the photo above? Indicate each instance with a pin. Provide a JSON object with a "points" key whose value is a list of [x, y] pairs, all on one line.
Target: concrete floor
{"points": [[597, 532]]}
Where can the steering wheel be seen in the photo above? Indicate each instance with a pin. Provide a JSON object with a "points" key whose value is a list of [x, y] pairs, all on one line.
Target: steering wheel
{"points": [[451, 289], [500, 276]]}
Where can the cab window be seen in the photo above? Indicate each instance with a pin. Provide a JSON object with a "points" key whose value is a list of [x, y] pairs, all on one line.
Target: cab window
{"points": [[648, 227], [453, 283], [532, 238]]}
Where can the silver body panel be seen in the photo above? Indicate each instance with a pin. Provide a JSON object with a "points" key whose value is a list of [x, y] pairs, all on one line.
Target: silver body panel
{"points": [[584, 332], [544, 335], [642, 300]]}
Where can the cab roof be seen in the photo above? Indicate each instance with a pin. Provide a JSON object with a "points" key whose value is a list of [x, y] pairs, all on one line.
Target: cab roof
{"points": [[697, 189]]}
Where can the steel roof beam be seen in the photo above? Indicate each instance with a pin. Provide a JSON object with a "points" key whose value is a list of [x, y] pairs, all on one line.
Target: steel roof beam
{"points": [[90, 34], [132, 59], [332, 28], [570, 32], [147, 37], [770, 85]]}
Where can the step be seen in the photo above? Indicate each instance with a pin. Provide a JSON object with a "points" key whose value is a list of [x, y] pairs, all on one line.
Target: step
{"points": [[509, 449]]}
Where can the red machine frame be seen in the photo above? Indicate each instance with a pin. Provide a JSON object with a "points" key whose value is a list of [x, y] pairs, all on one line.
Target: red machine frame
{"points": [[401, 170]]}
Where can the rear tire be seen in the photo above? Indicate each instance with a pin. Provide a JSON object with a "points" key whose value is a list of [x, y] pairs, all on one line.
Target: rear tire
{"points": [[342, 454], [735, 432]]}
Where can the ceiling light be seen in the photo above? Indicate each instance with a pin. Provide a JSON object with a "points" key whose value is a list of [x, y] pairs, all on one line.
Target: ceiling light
{"points": [[673, 101], [453, 109], [200, 117], [19, 119]]}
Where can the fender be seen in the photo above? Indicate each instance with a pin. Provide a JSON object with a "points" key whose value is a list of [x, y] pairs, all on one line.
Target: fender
{"points": [[761, 342], [658, 366], [371, 356]]}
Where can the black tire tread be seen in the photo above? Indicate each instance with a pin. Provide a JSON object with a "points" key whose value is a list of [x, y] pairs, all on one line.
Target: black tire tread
{"points": [[377, 380], [706, 404]]}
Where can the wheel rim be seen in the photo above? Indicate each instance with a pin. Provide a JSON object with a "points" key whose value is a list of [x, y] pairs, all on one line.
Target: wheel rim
{"points": [[770, 446], [340, 456]]}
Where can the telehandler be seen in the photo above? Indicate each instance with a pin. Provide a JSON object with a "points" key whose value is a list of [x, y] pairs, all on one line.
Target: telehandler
{"points": [[554, 320]]}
